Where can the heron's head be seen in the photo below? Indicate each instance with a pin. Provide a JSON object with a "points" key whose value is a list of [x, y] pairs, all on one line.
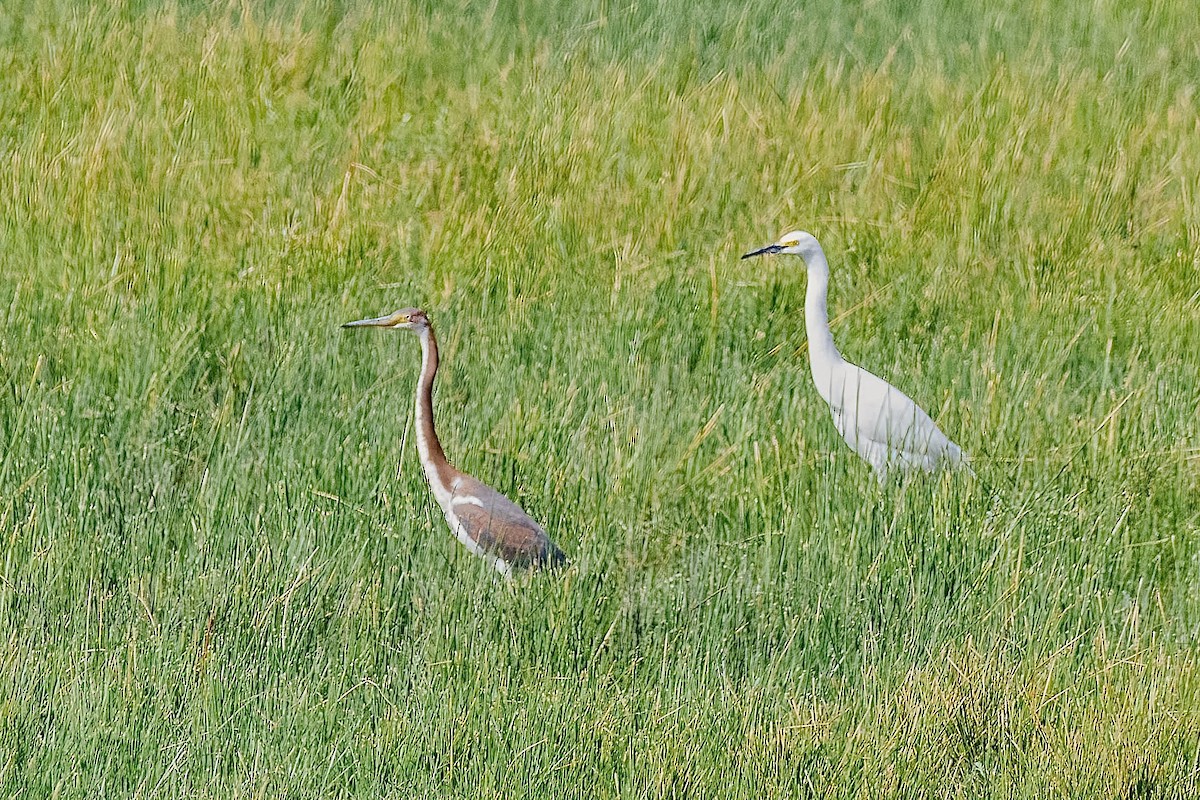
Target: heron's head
{"points": [[796, 243], [409, 319]]}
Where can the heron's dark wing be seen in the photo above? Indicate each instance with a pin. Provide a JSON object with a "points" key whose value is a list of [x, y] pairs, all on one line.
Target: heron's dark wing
{"points": [[500, 527]]}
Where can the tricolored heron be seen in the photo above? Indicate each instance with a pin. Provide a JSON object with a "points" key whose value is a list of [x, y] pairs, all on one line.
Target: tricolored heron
{"points": [[879, 422], [487, 523]]}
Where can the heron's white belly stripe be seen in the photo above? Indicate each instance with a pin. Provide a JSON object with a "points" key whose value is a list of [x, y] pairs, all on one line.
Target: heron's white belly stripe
{"points": [[461, 534], [447, 499]]}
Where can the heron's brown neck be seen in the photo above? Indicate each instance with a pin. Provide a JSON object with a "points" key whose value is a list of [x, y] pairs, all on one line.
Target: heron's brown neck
{"points": [[433, 458]]}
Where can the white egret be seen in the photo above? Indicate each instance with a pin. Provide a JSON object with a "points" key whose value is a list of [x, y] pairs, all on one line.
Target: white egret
{"points": [[487, 523], [879, 422]]}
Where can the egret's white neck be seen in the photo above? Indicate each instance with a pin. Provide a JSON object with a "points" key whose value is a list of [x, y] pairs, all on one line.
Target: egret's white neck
{"points": [[823, 354]]}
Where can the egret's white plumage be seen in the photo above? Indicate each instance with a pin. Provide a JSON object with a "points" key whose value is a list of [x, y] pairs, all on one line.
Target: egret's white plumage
{"points": [[879, 422]]}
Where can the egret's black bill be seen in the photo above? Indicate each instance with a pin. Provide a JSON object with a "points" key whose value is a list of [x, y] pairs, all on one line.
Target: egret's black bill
{"points": [[764, 251]]}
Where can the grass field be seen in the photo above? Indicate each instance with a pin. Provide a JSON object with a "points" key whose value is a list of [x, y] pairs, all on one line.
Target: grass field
{"points": [[221, 574]]}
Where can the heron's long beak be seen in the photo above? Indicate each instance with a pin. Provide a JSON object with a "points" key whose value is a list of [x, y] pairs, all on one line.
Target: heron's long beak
{"points": [[374, 322], [764, 251]]}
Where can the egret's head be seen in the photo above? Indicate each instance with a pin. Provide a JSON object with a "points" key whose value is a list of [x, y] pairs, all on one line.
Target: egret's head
{"points": [[796, 243], [409, 319]]}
